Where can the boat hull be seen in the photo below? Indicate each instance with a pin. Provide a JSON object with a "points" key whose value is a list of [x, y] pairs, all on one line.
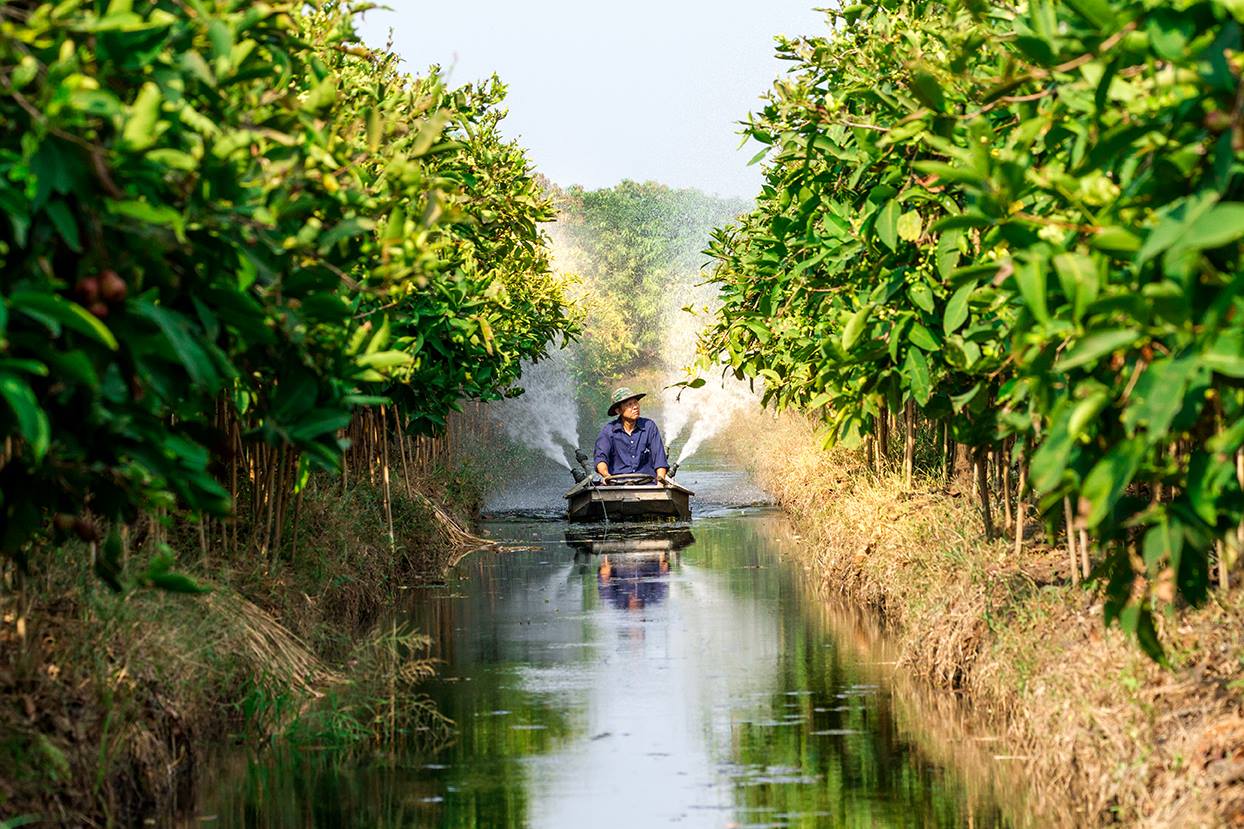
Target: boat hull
{"points": [[586, 502]]}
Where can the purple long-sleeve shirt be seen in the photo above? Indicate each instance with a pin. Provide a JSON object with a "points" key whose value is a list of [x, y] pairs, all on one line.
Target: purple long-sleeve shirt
{"points": [[641, 451]]}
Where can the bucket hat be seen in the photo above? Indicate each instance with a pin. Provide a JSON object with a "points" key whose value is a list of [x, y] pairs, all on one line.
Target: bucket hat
{"points": [[621, 395]]}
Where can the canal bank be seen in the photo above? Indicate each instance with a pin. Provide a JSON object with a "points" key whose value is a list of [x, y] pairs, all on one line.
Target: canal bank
{"points": [[113, 706], [1101, 733]]}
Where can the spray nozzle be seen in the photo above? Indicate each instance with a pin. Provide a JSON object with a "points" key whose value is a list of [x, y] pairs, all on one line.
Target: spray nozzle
{"points": [[673, 471], [579, 475], [582, 458]]}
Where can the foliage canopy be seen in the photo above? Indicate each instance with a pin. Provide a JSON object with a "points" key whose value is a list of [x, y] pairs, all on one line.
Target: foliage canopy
{"points": [[227, 204], [1027, 221]]}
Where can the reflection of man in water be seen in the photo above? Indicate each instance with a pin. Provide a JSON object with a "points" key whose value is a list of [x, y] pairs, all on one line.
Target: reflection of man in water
{"points": [[633, 583]]}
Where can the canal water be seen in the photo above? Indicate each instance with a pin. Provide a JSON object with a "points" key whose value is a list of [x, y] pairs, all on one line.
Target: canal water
{"points": [[613, 676]]}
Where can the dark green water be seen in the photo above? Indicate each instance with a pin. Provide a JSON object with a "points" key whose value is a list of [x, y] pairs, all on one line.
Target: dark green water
{"points": [[684, 676]]}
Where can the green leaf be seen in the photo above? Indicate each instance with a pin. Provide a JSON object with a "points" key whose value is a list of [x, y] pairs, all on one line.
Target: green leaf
{"points": [[1209, 478], [959, 401], [855, 327], [139, 131], [1098, 12], [917, 371], [921, 296], [65, 224], [1085, 411], [45, 306], [183, 341], [948, 252], [1116, 240], [921, 337], [957, 308], [1162, 545], [1079, 278], [1030, 277], [1109, 477], [910, 226], [32, 421], [322, 95], [927, 89], [384, 359], [1159, 396], [887, 224], [1226, 355], [141, 211], [1096, 346], [1222, 224]]}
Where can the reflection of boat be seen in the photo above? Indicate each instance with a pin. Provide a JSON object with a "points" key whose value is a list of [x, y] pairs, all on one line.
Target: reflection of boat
{"points": [[622, 544], [628, 499]]}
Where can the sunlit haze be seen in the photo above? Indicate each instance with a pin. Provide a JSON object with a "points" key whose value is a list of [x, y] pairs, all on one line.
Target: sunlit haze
{"points": [[601, 93]]}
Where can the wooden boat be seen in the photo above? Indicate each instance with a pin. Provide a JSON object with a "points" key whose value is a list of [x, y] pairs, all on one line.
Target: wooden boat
{"points": [[628, 498]]}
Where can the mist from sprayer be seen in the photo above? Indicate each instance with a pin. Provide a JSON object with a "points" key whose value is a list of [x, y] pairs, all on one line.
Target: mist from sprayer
{"points": [[701, 413], [544, 417]]}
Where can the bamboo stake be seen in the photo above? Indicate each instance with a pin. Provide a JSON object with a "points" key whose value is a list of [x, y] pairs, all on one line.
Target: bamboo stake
{"points": [[388, 503], [1239, 476], [281, 496], [909, 445], [980, 464], [402, 450], [1002, 472], [1071, 541], [293, 543], [1085, 564], [883, 438], [1021, 505]]}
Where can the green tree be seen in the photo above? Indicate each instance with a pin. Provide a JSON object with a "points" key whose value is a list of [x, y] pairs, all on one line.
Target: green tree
{"points": [[1024, 223], [238, 207]]}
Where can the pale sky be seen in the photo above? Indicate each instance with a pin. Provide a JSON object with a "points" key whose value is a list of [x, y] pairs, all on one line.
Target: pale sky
{"points": [[603, 92]]}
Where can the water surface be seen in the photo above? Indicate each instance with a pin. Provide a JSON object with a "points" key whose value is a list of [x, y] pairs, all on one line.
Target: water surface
{"points": [[682, 675]]}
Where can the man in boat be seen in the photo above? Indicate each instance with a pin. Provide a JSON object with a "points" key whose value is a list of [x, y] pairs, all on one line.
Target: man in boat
{"points": [[630, 443]]}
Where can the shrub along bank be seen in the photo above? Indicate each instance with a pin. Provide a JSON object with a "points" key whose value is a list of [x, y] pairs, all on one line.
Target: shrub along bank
{"points": [[1101, 732], [1017, 227]]}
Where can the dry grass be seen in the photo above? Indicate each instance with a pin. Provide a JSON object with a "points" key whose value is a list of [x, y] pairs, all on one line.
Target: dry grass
{"points": [[107, 701], [1110, 737]]}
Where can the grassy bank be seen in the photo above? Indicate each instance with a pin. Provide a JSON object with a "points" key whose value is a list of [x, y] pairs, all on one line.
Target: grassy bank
{"points": [[108, 701], [1103, 734]]}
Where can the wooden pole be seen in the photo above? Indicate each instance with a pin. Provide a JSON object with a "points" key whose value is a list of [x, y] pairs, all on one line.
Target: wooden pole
{"points": [[1071, 541], [980, 462], [388, 502], [909, 444], [1085, 565], [1021, 505], [883, 438], [1004, 481]]}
